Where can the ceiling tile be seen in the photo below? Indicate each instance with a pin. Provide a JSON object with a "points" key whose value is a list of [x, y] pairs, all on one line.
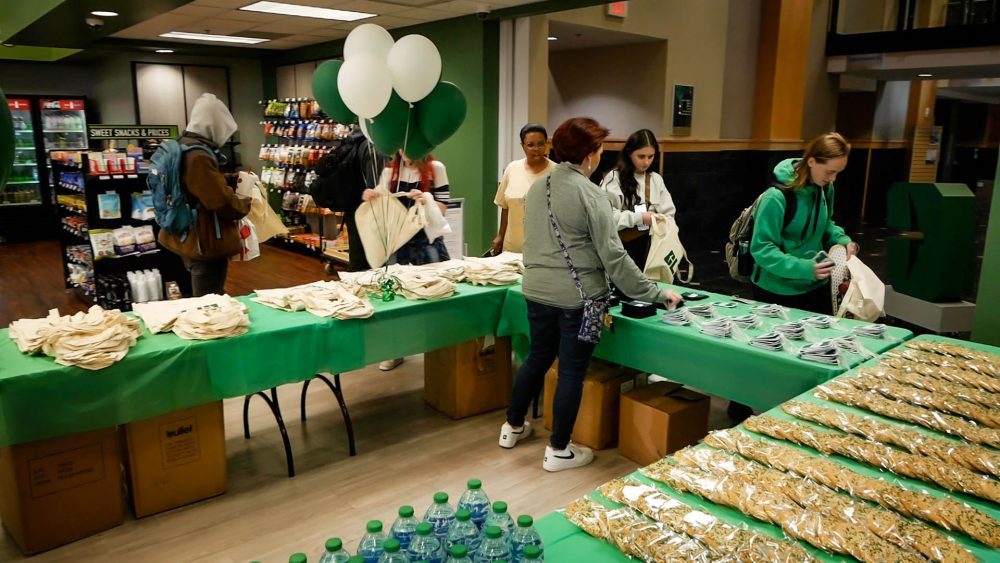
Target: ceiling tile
{"points": [[198, 11], [370, 7], [157, 25], [288, 24], [223, 3], [252, 17], [328, 32]]}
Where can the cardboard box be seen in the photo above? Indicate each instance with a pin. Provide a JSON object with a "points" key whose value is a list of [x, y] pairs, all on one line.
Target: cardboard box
{"points": [[660, 419], [597, 421], [176, 459], [469, 378], [56, 491]]}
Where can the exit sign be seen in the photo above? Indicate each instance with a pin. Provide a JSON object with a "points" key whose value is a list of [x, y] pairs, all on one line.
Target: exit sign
{"points": [[618, 9]]}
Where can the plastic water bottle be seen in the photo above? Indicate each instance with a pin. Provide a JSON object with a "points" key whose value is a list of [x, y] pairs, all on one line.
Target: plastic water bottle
{"points": [[356, 559], [499, 518], [371, 544], [404, 527], [463, 532], [425, 546], [494, 548], [335, 552], [532, 553], [476, 502], [441, 516], [459, 554], [392, 554], [297, 558], [523, 536]]}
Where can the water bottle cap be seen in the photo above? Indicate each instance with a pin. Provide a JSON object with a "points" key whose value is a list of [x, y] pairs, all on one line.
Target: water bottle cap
{"points": [[297, 558], [524, 521], [459, 551], [463, 515], [374, 526], [334, 544], [493, 532], [424, 529], [406, 511], [440, 498], [391, 546], [475, 484], [500, 507], [532, 552], [356, 559]]}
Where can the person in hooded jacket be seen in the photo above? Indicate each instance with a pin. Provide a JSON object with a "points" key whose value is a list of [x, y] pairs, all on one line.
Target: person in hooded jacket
{"points": [[787, 269], [216, 234]]}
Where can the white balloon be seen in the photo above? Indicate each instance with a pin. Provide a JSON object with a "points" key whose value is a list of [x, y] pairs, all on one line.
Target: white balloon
{"points": [[365, 85], [368, 38], [415, 65]]}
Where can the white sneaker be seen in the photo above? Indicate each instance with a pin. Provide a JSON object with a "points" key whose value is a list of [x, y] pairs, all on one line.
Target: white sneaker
{"points": [[573, 456], [390, 365], [510, 436]]}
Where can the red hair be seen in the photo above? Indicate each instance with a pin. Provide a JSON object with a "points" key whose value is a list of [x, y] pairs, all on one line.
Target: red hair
{"points": [[423, 166], [577, 137]]}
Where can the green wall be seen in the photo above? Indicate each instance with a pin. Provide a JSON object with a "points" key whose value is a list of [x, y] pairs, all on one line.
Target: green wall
{"points": [[470, 55], [987, 325]]}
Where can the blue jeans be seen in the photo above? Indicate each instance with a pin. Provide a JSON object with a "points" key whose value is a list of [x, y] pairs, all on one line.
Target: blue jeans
{"points": [[553, 333]]}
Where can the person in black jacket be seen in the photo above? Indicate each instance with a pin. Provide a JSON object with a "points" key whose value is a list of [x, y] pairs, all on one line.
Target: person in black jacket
{"points": [[342, 177]]}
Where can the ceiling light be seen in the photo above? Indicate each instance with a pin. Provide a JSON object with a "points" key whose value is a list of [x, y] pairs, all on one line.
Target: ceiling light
{"points": [[925, 75], [8, 44], [165, 51], [306, 11], [215, 38], [553, 38], [103, 14]]}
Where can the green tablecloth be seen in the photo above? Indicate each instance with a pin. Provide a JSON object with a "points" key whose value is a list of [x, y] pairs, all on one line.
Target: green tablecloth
{"points": [[163, 373], [720, 366], [566, 543]]}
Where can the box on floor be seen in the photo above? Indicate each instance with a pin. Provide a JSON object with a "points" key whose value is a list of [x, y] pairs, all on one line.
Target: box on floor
{"points": [[659, 419], [469, 378]]}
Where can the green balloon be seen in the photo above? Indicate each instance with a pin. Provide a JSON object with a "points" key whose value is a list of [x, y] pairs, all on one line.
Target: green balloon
{"points": [[324, 85], [388, 129], [441, 113], [6, 141], [417, 146]]}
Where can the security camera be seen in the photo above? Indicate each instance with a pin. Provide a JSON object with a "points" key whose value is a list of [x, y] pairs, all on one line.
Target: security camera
{"points": [[482, 11], [94, 23]]}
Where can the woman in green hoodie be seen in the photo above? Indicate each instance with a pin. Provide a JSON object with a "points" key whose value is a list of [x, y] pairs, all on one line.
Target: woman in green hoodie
{"points": [[786, 270]]}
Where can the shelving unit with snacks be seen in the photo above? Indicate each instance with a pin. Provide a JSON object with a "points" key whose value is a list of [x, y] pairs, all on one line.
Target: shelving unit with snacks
{"points": [[107, 227], [297, 135]]}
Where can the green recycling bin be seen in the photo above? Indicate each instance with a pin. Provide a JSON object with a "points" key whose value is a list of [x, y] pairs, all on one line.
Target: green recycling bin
{"points": [[931, 257]]}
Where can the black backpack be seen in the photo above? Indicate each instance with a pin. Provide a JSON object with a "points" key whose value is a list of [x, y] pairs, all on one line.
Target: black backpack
{"points": [[737, 252], [340, 175]]}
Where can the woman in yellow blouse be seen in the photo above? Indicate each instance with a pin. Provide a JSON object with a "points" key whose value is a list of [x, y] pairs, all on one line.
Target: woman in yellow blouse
{"points": [[517, 178]]}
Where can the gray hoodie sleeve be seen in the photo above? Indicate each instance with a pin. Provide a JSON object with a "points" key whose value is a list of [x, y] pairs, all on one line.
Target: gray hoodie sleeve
{"points": [[619, 267]]}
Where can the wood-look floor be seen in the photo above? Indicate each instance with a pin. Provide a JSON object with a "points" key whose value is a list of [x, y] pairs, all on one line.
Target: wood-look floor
{"points": [[406, 451]]}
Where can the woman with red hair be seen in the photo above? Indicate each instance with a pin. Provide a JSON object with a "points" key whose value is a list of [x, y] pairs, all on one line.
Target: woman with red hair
{"points": [[571, 249], [415, 178]]}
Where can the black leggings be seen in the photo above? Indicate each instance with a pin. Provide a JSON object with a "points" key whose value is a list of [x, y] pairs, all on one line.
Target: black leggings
{"points": [[815, 301], [208, 276]]}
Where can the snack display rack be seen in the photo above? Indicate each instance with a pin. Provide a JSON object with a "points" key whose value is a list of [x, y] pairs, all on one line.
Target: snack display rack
{"points": [[77, 192], [297, 134]]}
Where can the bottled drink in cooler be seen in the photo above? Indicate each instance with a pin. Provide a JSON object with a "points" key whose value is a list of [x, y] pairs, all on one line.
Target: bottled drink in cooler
{"points": [[499, 518], [405, 526], [459, 554], [335, 552], [463, 532], [476, 502], [523, 536], [494, 548], [392, 554], [440, 515], [371, 544]]}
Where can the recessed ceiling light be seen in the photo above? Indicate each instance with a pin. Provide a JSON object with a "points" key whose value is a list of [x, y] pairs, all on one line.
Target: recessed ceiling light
{"points": [[103, 14], [306, 11], [8, 44], [553, 38], [215, 38], [925, 75], [165, 51]]}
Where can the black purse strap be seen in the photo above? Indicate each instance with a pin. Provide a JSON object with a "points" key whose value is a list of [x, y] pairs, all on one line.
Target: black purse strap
{"points": [[562, 245]]}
